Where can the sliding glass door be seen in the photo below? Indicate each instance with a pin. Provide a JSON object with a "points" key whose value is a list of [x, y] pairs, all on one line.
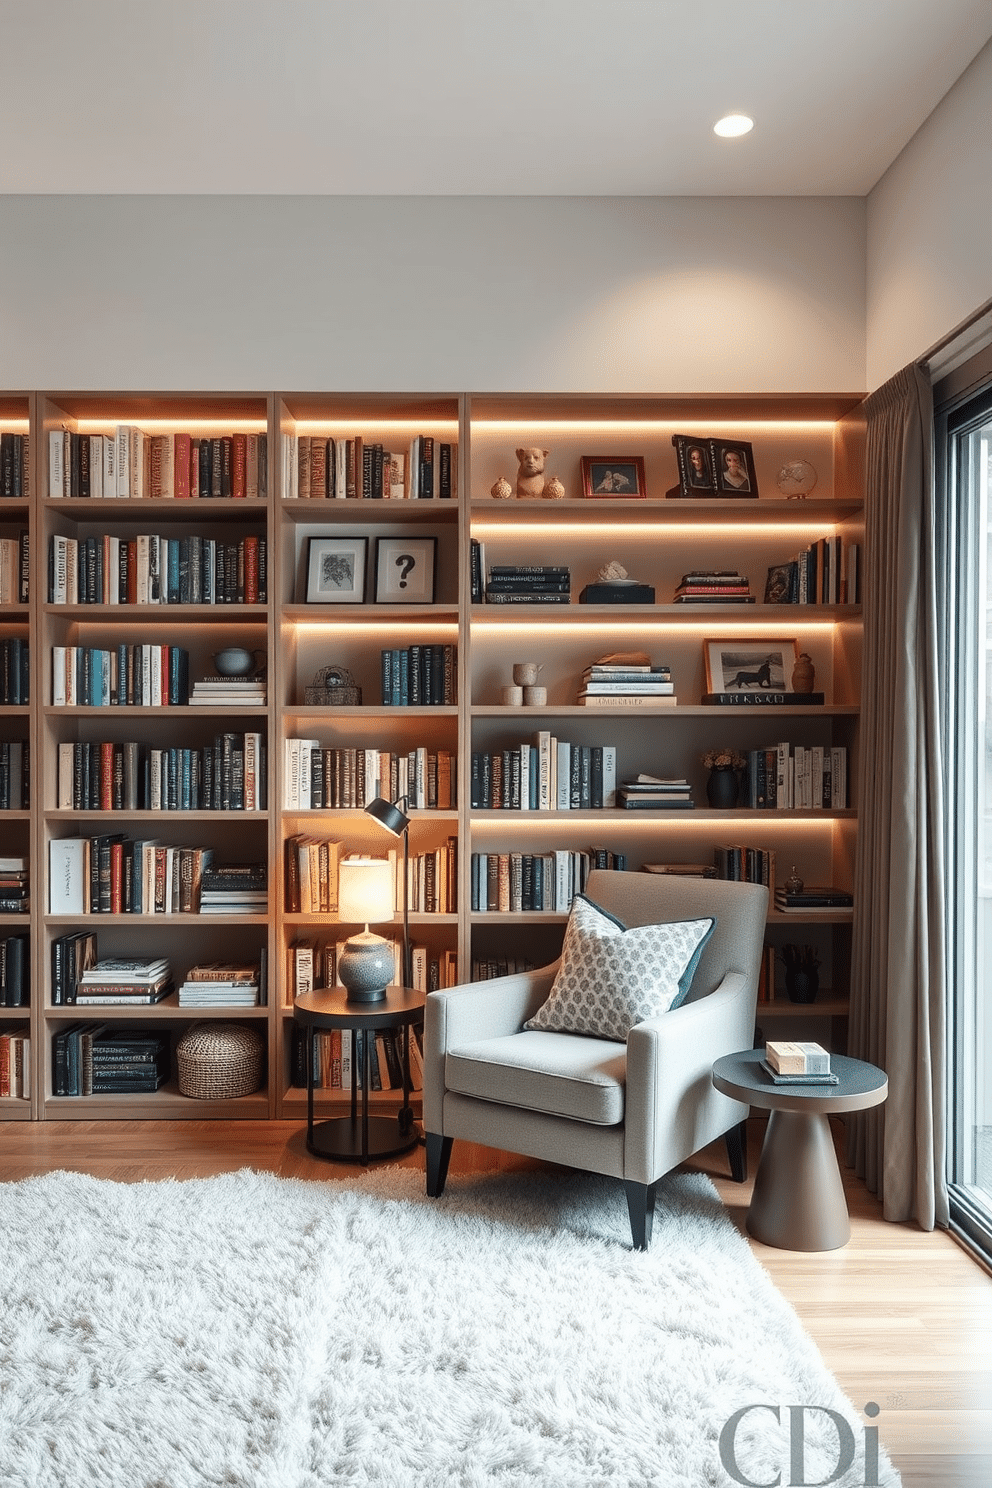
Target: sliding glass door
{"points": [[967, 461]]}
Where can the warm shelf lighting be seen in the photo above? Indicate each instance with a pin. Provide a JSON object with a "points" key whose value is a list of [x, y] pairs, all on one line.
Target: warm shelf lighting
{"points": [[682, 425], [168, 425], [732, 126], [681, 627], [594, 533], [407, 425]]}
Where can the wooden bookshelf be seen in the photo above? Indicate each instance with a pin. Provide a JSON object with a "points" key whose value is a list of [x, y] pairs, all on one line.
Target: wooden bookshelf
{"points": [[656, 538]]}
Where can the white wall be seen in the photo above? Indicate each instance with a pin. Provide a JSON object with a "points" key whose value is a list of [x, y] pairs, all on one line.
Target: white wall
{"points": [[929, 259], [598, 294]]}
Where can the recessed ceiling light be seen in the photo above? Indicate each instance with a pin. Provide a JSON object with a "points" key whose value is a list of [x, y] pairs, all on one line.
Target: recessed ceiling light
{"points": [[733, 125]]}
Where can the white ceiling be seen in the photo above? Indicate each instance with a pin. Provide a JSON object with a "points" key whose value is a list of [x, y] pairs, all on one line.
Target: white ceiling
{"points": [[470, 97]]}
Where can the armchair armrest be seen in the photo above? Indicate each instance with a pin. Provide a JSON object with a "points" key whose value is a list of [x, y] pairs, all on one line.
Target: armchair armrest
{"points": [[471, 1011], [669, 1089]]}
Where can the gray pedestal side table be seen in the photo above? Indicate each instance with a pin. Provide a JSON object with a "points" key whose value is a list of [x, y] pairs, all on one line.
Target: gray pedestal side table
{"points": [[798, 1201], [360, 1136]]}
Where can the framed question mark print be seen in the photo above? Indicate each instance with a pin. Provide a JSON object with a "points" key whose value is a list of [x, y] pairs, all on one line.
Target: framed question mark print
{"points": [[336, 570], [404, 570]]}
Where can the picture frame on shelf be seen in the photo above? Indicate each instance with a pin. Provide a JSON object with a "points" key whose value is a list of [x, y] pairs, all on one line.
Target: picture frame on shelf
{"points": [[613, 477], [405, 569], [714, 467], [336, 570], [733, 467], [750, 666]]}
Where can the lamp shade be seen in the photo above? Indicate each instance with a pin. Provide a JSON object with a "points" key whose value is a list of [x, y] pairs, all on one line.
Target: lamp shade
{"points": [[388, 815], [365, 891]]}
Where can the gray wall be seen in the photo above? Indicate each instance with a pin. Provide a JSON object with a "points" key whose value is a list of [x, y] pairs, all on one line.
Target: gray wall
{"points": [[598, 294]]}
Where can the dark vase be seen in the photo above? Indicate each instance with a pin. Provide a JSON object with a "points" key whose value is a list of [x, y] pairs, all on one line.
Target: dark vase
{"points": [[802, 986], [721, 788]]}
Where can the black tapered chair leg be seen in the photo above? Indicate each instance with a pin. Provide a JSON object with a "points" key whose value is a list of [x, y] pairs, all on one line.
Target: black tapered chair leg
{"points": [[640, 1206], [438, 1155], [736, 1140]]}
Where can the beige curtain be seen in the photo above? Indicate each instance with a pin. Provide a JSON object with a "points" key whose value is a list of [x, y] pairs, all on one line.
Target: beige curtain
{"points": [[897, 976]]}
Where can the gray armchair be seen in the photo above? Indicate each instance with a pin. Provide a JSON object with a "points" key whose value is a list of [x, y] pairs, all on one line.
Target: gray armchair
{"points": [[634, 1110]]}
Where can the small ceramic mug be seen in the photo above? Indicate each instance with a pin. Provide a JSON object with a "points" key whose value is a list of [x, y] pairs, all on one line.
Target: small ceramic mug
{"points": [[513, 696], [535, 697], [525, 673]]}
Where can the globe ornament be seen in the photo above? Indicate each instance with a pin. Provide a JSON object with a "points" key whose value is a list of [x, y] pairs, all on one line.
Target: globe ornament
{"points": [[796, 478]]}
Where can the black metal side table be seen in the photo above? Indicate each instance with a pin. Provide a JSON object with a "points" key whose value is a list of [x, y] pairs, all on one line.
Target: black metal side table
{"points": [[359, 1137]]}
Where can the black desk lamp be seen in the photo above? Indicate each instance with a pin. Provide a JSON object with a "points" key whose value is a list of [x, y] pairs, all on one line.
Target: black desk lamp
{"points": [[389, 815]]}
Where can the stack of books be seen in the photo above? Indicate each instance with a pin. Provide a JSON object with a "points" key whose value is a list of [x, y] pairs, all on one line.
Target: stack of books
{"points": [[221, 984], [798, 1064], [15, 897], [124, 1062], [124, 979], [822, 897], [652, 793], [714, 586], [234, 888], [528, 583], [627, 685], [235, 691]]}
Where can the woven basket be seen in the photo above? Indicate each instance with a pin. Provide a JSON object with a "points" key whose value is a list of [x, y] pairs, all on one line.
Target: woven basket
{"points": [[218, 1061], [334, 686]]}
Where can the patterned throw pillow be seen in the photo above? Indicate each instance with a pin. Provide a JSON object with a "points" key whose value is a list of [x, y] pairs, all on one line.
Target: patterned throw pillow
{"points": [[612, 977]]}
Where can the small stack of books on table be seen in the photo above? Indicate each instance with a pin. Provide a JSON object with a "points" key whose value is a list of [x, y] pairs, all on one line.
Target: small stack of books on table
{"points": [[528, 583], [714, 586], [234, 691], [124, 979], [626, 684], [15, 895], [813, 898], [651, 793], [220, 984], [798, 1064]]}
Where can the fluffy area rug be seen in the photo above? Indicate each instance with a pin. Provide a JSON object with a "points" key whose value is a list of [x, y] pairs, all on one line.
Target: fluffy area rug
{"points": [[248, 1331]]}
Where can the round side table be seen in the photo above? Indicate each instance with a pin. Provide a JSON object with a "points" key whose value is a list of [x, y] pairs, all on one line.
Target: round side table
{"points": [[798, 1200], [358, 1136]]}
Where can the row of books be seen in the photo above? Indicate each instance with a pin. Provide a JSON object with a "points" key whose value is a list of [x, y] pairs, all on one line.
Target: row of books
{"points": [[827, 572], [15, 670], [318, 778], [314, 963], [109, 775], [95, 1059], [312, 865], [337, 1063], [517, 882], [15, 774], [487, 968], [786, 777], [550, 774], [316, 467], [419, 676], [714, 586], [15, 466], [516, 583], [15, 569], [15, 971], [630, 682], [15, 1063], [131, 464], [149, 569], [139, 674], [111, 873]]}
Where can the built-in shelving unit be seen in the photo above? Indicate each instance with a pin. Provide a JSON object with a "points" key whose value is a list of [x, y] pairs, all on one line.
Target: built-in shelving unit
{"points": [[657, 539]]}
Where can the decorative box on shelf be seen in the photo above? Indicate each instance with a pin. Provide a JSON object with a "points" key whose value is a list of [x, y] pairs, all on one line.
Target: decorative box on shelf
{"points": [[333, 686], [625, 593]]}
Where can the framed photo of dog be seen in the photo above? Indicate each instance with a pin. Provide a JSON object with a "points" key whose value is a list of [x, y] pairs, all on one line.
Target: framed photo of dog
{"points": [[613, 476], [750, 667]]}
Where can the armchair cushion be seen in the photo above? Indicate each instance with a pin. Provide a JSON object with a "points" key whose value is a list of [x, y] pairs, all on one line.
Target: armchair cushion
{"points": [[612, 977], [557, 1073]]}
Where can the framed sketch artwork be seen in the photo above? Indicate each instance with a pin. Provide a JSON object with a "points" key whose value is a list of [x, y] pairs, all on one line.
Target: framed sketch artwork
{"points": [[336, 570], [752, 665], [613, 476], [404, 570]]}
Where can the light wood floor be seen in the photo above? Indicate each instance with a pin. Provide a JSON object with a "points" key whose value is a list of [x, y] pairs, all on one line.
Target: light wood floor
{"points": [[901, 1317]]}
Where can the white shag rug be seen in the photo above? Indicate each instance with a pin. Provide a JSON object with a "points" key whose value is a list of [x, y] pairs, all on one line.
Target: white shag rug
{"points": [[248, 1331]]}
